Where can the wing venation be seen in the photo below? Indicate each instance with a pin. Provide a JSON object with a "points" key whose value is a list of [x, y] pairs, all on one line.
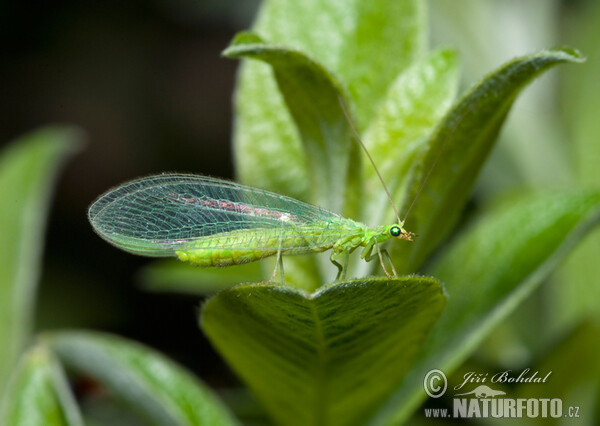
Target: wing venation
{"points": [[156, 214]]}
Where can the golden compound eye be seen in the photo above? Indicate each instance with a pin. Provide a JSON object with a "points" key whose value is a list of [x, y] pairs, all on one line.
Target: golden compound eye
{"points": [[395, 231]]}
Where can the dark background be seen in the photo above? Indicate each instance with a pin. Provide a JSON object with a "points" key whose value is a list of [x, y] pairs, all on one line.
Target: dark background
{"points": [[145, 81]]}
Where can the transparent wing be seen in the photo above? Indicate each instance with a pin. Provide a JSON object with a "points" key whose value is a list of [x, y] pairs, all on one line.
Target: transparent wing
{"points": [[158, 214]]}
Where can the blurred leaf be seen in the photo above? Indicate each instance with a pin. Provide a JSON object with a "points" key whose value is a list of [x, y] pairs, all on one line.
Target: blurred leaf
{"points": [[328, 357], [245, 406], [312, 96], [38, 394], [488, 272], [28, 170], [478, 30], [458, 149], [100, 409], [414, 104], [366, 44], [597, 406], [171, 275], [582, 98], [156, 387], [575, 367], [578, 300]]}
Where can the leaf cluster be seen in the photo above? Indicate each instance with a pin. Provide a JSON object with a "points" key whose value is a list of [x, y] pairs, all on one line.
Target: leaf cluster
{"points": [[316, 352]]}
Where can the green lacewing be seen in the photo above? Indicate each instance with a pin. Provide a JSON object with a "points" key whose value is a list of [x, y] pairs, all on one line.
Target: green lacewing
{"points": [[213, 222]]}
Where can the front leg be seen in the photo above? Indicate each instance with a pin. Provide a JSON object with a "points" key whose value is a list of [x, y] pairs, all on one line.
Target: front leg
{"points": [[381, 254]]}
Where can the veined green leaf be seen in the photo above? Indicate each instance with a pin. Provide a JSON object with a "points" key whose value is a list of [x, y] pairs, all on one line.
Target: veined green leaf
{"points": [[28, 169], [312, 96], [479, 32], [38, 394], [324, 358], [153, 385], [523, 242], [414, 104], [458, 149], [366, 44]]}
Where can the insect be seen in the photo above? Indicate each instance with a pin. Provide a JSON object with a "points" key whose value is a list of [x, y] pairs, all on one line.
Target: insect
{"points": [[212, 222]]}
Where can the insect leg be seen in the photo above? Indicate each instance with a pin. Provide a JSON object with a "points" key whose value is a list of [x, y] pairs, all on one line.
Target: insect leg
{"points": [[280, 257], [345, 267], [385, 254], [381, 260], [278, 262], [381, 254], [341, 268]]}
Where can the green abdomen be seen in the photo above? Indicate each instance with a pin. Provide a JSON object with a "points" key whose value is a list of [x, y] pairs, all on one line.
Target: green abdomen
{"points": [[246, 246]]}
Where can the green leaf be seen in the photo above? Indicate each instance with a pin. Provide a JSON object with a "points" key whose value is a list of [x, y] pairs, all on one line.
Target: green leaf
{"points": [[580, 103], [312, 96], [28, 170], [479, 31], [171, 275], [328, 357], [366, 44], [153, 385], [38, 394], [458, 149], [487, 273], [415, 103], [582, 98], [575, 373]]}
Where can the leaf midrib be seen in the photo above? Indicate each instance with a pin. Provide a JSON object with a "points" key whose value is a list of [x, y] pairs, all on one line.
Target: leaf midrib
{"points": [[321, 396]]}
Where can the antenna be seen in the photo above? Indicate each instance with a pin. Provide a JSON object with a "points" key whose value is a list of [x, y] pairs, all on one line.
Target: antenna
{"points": [[387, 191], [437, 158]]}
